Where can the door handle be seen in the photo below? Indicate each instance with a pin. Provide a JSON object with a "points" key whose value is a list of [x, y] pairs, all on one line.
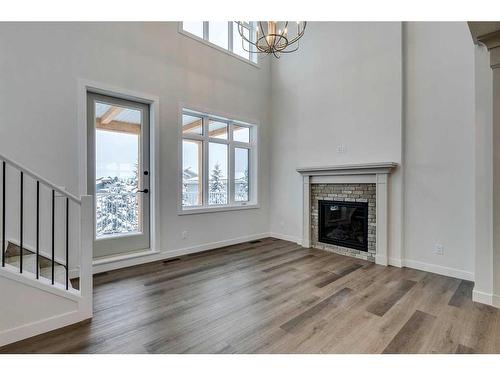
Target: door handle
{"points": [[145, 191]]}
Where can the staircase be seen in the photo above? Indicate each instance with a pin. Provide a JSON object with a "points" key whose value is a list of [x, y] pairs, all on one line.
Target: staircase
{"points": [[41, 267], [44, 230]]}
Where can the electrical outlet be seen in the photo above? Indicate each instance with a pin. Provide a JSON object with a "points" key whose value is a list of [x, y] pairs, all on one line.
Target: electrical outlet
{"points": [[340, 149], [438, 249], [184, 234]]}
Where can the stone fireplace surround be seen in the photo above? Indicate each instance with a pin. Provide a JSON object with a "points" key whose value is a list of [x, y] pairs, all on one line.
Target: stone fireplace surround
{"points": [[365, 192], [357, 175]]}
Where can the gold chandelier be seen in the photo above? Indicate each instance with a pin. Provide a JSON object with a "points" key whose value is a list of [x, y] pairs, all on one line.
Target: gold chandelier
{"points": [[271, 37]]}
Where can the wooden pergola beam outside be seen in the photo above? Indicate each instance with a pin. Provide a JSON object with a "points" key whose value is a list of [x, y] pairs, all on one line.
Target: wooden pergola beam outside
{"points": [[118, 126], [198, 123], [110, 114]]}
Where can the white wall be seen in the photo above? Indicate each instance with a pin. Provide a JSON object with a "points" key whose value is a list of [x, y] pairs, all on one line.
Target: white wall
{"points": [[439, 146], [483, 266], [342, 87], [19, 310], [41, 63], [21, 319], [495, 63], [383, 91]]}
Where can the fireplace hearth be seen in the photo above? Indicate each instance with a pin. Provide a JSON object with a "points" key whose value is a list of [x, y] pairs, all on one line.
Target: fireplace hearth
{"points": [[343, 224]]}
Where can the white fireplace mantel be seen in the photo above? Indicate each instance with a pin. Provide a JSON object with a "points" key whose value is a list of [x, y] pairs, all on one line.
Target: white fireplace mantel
{"points": [[368, 173]]}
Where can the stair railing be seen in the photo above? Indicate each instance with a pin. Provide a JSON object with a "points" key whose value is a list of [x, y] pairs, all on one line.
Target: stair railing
{"points": [[83, 204]]}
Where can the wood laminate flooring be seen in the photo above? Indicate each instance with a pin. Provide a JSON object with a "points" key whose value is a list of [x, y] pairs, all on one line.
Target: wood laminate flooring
{"points": [[273, 296]]}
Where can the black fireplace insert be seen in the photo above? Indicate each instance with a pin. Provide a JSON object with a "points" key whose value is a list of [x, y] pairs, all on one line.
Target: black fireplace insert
{"points": [[343, 224]]}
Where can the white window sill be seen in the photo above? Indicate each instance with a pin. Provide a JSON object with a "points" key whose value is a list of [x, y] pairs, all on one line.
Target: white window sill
{"points": [[204, 210], [215, 46]]}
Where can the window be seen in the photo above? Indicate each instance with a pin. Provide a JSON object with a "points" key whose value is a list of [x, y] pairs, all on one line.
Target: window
{"points": [[225, 35], [241, 180], [218, 178], [218, 162], [195, 28], [192, 172], [218, 34], [240, 46]]}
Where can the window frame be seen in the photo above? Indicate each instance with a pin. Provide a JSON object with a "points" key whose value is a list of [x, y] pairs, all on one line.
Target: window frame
{"points": [[253, 163], [253, 60]]}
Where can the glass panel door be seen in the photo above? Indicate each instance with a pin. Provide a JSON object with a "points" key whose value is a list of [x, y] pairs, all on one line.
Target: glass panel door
{"points": [[118, 166]]}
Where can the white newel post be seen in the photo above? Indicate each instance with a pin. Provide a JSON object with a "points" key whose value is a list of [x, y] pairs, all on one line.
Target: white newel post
{"points": [[86, 255]]}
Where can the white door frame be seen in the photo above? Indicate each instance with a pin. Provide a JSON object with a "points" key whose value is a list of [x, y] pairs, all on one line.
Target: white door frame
{"points": [[85, 86]]}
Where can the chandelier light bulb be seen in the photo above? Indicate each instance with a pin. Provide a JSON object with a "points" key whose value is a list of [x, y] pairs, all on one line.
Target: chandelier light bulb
{"points": [[269, 37]]}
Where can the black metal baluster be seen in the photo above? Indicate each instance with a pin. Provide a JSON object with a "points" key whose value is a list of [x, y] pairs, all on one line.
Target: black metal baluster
{"points": [[67, 243], [21, 223], [37, 229], [53, 233], [3, 214]]}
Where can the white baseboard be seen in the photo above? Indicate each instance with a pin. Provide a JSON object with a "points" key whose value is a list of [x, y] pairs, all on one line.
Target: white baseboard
{"points": [[434, 268], [39, 327], [396, 262], [152, 256], [486, 298], [482, 297], [286, 237], [381, 259], [123, 257], [496, 300]]}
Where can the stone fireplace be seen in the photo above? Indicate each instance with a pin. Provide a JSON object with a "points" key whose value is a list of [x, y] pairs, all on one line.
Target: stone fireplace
{"points": [[343, 219], [345, 209]]}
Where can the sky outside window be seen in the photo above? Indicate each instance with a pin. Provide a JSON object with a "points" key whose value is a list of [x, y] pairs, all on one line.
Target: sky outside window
{"points": [[116, 154]]}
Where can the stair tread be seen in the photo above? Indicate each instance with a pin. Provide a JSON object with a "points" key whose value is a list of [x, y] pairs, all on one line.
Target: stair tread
{"points": [[12, 257], [13, 250], [29, 262], [18, 257], [59, 273]]}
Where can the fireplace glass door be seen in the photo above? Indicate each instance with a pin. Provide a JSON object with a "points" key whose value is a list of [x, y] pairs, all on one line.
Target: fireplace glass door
{"points": [[343, 224]]}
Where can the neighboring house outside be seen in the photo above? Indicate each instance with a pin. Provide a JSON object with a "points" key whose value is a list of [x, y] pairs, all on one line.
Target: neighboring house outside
{"points": [[191, 189]]}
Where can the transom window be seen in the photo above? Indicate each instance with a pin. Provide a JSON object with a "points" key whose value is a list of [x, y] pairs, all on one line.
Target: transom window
{"points": [[225, 35], [218, 162]]}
